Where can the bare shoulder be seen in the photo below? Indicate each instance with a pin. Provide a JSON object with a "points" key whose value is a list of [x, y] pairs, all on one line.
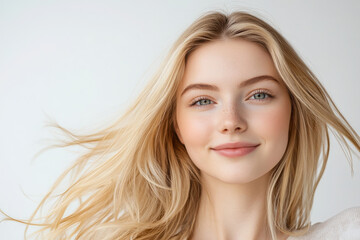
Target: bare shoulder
{"points": [[344, 225]]}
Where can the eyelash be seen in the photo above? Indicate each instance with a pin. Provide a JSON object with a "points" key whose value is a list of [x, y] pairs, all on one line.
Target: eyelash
{"points": [[267, 93]]}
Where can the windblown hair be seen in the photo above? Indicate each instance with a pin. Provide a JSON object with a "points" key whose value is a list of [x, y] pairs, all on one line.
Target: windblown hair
{"points": [[136, 180]]}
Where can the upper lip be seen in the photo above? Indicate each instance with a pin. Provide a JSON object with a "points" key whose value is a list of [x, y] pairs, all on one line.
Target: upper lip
{"points": [[235, 145]]}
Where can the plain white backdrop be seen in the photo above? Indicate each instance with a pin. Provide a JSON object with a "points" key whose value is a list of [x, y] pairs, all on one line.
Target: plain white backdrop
{"points": [[81, 63]]}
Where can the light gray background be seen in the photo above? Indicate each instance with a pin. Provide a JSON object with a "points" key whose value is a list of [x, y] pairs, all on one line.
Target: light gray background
{"points": [[80, 62]]}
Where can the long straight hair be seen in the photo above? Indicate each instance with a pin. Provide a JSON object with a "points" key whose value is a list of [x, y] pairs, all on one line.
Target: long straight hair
{"points": [[136, 180]]}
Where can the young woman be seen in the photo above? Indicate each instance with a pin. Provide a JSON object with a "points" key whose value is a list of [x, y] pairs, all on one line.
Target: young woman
{"points": [[228, 140]]}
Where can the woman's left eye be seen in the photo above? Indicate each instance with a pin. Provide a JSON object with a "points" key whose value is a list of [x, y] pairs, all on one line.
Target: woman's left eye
{"points": [[261, 95]]}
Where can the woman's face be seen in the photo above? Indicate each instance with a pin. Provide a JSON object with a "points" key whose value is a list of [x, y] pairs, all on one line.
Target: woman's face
{"points": [[231, 93]]}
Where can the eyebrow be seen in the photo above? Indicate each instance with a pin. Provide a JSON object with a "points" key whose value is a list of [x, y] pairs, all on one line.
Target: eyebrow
{"points": [[242, 84]]}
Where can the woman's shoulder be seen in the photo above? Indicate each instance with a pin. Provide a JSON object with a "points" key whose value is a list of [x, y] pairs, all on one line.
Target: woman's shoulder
{"points": [[344, 225]]}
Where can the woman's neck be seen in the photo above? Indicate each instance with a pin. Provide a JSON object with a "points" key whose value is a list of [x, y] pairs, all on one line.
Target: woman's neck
{"points": [[232, 211]]}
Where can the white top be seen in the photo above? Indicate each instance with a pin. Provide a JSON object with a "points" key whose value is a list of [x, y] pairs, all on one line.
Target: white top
{"points": [[343, 226]]}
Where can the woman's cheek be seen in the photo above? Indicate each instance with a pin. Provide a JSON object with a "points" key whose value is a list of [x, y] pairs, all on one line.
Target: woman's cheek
{"points": [[272, 125], [273, 118], [194, 128]]}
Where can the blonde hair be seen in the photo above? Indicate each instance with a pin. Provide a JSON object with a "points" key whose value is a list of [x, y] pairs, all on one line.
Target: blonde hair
{"points": [[136, 180]]}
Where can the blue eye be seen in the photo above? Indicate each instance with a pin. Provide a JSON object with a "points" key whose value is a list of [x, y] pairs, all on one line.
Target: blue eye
{"points": [[202, 102], [261, 95]]}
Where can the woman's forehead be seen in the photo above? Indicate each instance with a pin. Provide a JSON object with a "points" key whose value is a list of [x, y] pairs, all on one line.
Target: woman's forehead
{"points": [[228, 60]]}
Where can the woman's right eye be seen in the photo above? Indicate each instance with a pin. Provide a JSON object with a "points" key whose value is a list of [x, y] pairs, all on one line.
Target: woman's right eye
{"points": [[201, 102]]}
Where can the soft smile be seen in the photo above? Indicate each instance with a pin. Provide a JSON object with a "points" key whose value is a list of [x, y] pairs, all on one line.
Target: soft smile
{"points": [[235, 149]]}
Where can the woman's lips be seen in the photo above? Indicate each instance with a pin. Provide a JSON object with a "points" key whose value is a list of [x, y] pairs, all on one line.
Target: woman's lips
{"points": [[235, 152]]}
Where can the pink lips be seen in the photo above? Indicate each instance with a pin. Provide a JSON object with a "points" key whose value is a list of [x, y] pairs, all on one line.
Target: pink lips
{"points": [[236, 149]]}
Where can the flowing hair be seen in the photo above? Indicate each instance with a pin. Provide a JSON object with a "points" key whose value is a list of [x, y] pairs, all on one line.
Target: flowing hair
{"points": [[137, 181]]}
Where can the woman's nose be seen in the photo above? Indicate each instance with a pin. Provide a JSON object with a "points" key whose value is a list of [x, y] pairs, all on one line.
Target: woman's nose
{"points": [[232, 120]]}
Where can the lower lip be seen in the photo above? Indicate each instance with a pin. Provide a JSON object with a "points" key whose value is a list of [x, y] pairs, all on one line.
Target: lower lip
{"points": [[235, 152]]}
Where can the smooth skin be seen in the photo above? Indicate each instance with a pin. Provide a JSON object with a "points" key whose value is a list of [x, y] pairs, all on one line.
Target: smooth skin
{"points": [[225, 110]]}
